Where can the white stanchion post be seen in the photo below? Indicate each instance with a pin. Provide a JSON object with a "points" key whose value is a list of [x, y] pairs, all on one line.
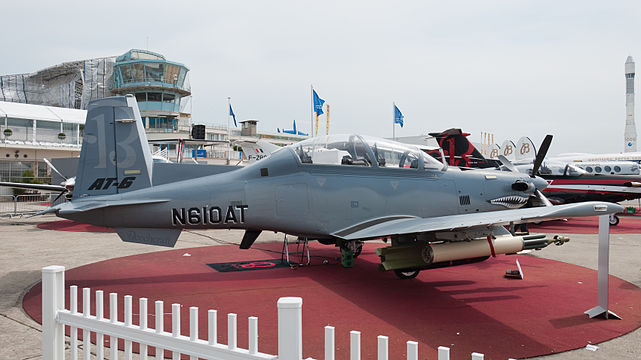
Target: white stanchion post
{"points": [[354, 345], [601, 310], [53, 300], [253, 334], [290, 328], [212, 327], [412, 350], [329, 343], [443, 353], [232, 325], [383, 352]]}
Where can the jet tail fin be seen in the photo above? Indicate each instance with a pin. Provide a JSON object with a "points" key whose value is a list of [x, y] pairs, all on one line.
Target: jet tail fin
{"points": [[459, 151], [115, 156]]}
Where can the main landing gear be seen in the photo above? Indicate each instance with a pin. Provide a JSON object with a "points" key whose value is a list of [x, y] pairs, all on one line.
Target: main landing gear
{"points": [[406, 273], [349, 251]]}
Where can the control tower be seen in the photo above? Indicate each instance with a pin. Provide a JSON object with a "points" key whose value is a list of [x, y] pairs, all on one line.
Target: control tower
{"points": [[158, 84], [630, 128]]}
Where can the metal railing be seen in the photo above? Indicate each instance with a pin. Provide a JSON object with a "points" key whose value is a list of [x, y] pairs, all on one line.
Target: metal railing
{"points": [[27, 204]]}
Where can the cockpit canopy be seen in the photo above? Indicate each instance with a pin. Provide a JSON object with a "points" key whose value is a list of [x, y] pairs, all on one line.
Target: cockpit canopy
{"points": [[357, 150]]}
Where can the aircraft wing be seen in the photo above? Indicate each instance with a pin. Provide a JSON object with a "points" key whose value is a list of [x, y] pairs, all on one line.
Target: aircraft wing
{"points": [[399, 225], [43, 187]]}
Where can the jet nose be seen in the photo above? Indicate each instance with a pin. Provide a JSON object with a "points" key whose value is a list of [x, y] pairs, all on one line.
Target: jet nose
{"points": [[539, 183]]}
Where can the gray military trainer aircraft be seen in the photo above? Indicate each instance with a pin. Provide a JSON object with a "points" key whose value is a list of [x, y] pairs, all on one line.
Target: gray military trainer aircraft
{"points": [[339, 190]]}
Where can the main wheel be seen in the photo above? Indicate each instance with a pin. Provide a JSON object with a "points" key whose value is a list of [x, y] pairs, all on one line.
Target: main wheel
{"points": [[406, 273], [614, 220]]}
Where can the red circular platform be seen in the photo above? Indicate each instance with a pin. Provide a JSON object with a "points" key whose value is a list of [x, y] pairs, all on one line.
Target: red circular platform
{"points": [[467, 308]]}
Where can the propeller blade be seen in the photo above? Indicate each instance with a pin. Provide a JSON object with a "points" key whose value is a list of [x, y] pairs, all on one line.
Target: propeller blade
{"points": [[58, 197], [542, 198], [507, 164], [54, 168], [545, 146]]}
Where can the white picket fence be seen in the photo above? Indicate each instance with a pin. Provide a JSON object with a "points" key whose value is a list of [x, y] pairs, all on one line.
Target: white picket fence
{"points": [[290, 339]]}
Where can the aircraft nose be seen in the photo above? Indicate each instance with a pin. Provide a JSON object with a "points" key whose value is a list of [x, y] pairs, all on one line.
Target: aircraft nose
{"points": [[539, 183]]}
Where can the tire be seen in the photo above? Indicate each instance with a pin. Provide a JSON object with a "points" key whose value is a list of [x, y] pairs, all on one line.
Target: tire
{"points": [[405, 274], [614, 220]]}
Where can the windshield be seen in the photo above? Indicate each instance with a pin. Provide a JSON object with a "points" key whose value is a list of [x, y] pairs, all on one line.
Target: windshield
{"points": [[334, 150], [573, 170]]}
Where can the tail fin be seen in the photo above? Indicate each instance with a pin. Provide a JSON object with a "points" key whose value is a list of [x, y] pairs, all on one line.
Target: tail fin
{"points": [[257, 150], [459, 151], [115, 156], [525, 149], [508, 149]]}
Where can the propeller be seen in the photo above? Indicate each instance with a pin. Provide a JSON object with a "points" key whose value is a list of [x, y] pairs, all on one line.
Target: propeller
{"points": [[507, 164], [65, 183], [59, 195], [54, 168], [521, 186], [545, 146]]}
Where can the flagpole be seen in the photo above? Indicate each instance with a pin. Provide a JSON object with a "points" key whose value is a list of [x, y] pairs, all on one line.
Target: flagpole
{"points": [[311, 115], [228, 130], [393, 121]]}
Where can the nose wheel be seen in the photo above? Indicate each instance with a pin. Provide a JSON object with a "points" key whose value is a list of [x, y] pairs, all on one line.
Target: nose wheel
{"points": [[406, 273], [614, 220]]}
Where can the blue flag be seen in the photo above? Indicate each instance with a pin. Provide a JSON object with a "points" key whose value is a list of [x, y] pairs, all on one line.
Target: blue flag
{"points": [[398, 116], [231, 113], [318, 103]]}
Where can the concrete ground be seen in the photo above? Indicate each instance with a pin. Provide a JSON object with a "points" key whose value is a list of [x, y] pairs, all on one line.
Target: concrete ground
{"points": [[25, 249]]}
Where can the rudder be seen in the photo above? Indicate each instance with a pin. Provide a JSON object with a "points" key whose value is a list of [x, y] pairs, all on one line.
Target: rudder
{"points": [[459, 151]]}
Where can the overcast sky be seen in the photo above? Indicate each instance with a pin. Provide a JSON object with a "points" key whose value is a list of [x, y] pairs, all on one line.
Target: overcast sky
{"points": [[510, 67]]}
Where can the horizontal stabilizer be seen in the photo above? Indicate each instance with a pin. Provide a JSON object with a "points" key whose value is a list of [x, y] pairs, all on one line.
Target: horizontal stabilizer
{"points": [[82, 206], [160, 237]]}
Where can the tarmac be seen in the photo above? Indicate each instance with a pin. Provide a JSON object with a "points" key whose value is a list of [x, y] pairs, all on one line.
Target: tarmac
{"points": [[26, 249]]}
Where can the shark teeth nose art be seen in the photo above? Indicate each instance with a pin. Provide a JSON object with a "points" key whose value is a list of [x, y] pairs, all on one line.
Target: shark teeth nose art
{"points": [[510, 202]]}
